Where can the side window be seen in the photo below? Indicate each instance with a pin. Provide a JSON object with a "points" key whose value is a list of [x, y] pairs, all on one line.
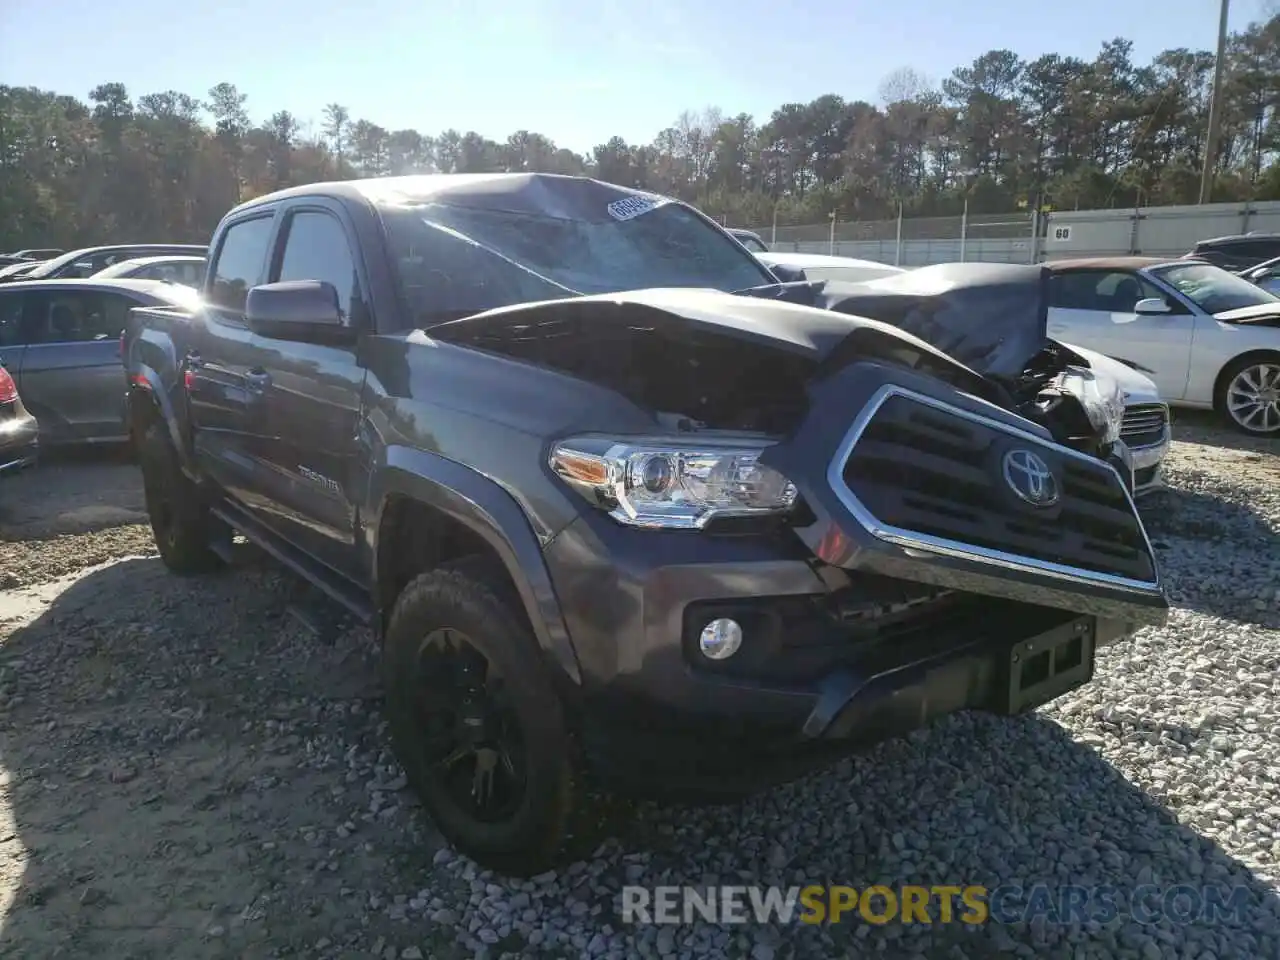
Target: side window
{"points": [[239, 262], [12, 331], [1076, 290], [115, 313], [103, 260], [316, 248], [1118, 292], [73, 318]]}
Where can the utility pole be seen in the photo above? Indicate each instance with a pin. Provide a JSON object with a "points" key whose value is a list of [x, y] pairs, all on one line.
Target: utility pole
{"points": [[1215, 109]]}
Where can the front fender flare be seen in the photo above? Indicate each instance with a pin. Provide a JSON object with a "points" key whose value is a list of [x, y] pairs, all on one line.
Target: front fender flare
{"points": [[483, 506]]}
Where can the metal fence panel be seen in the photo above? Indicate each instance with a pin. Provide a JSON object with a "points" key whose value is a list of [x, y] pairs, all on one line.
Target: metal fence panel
{"points": [[917, 253], [1152, 231], [1024, 237]]}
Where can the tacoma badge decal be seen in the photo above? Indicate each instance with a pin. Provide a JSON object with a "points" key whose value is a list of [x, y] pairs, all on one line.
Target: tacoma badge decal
{"points": [[330, 485]]}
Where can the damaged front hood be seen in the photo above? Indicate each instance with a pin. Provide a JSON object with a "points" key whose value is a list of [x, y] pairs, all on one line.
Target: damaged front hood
{"points": [[806, 331], [1263, 315], [991, 317]]}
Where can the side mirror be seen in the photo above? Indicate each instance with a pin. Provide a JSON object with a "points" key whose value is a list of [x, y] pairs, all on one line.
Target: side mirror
{"points": [[1151, 306], [787, 274], [305, 310]]}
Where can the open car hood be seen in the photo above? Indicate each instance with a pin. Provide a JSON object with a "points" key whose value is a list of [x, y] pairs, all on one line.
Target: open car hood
{"points": [[991, 317], [1264, 315]]}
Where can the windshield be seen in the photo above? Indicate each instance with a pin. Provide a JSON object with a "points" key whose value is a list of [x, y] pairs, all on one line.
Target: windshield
{"points": [[49, 266], [455, 261], [1213, 289]]}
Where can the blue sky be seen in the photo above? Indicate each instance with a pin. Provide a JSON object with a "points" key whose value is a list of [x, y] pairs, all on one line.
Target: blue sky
{"points": [[578, 71]]}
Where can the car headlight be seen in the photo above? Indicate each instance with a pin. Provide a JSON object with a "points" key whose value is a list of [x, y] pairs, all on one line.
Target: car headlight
{"points": [[1101, 397], [672, 485]]}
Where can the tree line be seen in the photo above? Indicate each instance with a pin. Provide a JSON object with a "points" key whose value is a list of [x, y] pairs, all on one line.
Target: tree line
{"points": [[1003, 133]]}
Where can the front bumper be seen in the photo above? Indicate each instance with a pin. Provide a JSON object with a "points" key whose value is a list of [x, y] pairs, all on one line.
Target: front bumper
{"points": [[1148, 466], [1147, 432], [808, 684], [19, 443], [865, 619]]}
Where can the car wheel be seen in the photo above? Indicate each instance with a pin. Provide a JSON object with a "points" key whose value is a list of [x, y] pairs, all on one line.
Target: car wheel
{"points": [[475, 721], [180, 520], [1249, 395]]}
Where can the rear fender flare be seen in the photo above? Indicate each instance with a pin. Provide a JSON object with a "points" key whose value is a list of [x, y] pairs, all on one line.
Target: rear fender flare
{"points": [[146, 380], [487, 509]]}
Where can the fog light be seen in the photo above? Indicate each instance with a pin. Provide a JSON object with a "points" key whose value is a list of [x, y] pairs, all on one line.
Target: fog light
{"points": [[720, 639]]}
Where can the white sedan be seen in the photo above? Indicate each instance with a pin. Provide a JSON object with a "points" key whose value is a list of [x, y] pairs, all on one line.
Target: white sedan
{"points": [[1145, 427], [1208, 338]]}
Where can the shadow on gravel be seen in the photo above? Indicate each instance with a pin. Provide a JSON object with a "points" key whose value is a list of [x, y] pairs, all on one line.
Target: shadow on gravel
{"points": [[185, 771], [1199, 426], [185, 774], [72, 491], [1229, 548]]}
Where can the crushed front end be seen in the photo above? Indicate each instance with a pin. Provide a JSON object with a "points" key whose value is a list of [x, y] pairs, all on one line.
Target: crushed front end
{"points": [[941, 554]]}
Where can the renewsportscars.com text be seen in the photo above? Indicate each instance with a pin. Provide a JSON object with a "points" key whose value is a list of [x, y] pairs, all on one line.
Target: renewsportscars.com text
{"points": [[939, 903]]}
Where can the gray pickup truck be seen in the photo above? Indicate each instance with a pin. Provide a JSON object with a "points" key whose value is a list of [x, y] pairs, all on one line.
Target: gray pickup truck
{"points": [[614, 501]]}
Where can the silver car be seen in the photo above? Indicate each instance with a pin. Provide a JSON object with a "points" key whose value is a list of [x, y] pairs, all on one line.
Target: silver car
{"points": [[60, 340], [184, 270]]}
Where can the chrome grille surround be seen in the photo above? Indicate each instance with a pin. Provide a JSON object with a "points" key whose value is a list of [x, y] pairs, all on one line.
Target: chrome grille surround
{"points": [[941, 546]]}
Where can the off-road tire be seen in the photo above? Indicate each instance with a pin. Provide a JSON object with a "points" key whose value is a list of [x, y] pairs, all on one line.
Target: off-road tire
{"points": [[470, 598], [180, 519]]}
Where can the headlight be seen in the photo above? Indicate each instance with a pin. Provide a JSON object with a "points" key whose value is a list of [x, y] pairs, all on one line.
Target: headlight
{"points": [[1101, 397], [672, 485]]}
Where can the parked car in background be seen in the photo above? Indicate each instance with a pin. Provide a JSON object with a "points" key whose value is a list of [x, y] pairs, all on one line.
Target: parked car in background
{"points": [[1208, 338], [820, 266], [1145, 427], [16, 271], [1265, 275], [991, 316], [60, 340], [749, 239], [9, 259], [19, 430], [87, 262], [40, 253], [1239, 252], [185, 270]]}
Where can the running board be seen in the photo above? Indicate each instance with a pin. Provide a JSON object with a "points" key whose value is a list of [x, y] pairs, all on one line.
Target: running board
{"points": [[333, 585]]}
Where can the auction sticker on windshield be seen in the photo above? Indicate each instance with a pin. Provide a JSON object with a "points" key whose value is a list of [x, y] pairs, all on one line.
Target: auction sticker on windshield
{"points": [[632, 207]]}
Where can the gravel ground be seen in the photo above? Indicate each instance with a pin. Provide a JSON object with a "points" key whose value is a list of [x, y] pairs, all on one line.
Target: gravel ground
{"points": [[186, 771]]}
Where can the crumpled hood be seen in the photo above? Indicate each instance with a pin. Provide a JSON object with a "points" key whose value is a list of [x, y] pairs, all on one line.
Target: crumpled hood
{"points": [[991, 317], [793, 327], [1263, 315], [821, 339]]}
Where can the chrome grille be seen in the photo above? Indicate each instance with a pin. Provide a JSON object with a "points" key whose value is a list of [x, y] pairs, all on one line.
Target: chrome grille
{"points": [[930, 472], [1144, 424]]}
